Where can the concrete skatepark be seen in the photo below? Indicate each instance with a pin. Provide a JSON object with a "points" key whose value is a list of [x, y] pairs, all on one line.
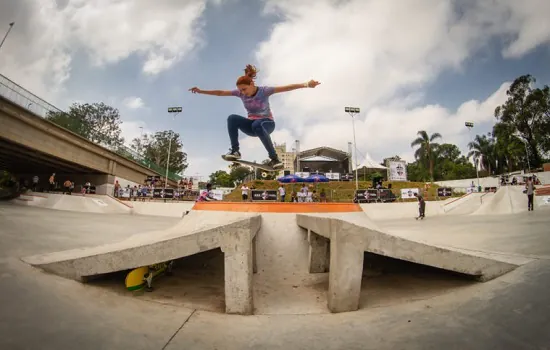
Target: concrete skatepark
{"points": [[276, 275]]}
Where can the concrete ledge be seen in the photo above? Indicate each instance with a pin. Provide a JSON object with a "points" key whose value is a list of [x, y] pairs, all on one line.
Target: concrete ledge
{"points": [[353, 234], [234, 233]]}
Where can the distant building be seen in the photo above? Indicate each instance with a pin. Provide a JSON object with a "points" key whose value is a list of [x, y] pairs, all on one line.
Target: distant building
{"points": [[323, 160], [286, 157]]}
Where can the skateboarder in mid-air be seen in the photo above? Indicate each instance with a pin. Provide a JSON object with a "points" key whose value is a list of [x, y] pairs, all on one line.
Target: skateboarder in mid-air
{"points": [[421, 206], [260, 121]]}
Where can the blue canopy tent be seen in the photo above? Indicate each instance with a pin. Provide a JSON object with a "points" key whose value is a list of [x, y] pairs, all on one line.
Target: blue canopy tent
{"points": [[316, 178], [291, 178]]}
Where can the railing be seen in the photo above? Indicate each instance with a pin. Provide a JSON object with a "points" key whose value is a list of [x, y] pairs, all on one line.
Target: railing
{"points": [[34, 104]]}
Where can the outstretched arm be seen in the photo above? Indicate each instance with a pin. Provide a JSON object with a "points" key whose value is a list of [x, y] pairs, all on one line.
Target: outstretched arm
{"points": [[196, 90], [309, 84]]}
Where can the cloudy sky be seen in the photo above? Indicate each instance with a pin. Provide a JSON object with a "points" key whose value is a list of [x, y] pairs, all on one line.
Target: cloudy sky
{"points": [[409, 65]]}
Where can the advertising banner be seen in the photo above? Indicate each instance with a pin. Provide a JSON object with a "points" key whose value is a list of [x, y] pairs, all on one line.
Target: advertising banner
{"points": [[264, 195], [397, 170], [409, 192], [163, 193], [370, 195], [333, 176], [218, 194], [302, 174], [444, 192]]}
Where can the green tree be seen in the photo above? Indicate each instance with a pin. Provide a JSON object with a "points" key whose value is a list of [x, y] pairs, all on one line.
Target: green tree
{"points": [[510, 150], [426, 152], [239, 173], [449, 163], [155, 147], [449, 152], [221, 178], [526, 113], [417, 172], [97, 122], [482, 149]]}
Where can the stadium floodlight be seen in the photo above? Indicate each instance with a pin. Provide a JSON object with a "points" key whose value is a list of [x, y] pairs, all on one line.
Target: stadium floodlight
{"points": [[352, 111], [175, 111]]}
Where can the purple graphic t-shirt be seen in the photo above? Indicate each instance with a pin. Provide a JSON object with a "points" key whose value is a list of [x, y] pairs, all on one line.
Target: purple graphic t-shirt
{"points": [[257, 106]]}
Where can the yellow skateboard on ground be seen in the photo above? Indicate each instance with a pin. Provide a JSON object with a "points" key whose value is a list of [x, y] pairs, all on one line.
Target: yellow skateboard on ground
{"points": [[142, 277]]}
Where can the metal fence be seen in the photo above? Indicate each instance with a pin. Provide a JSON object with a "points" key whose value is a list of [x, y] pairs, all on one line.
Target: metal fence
{"points": [[34, 104]]}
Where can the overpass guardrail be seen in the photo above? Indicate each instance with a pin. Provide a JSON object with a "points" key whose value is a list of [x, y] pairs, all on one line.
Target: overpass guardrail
{"points": [[34, 104]]}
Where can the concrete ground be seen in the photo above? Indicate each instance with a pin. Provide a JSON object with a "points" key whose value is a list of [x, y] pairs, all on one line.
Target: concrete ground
{"points": [[41, 311], [523, 234]]}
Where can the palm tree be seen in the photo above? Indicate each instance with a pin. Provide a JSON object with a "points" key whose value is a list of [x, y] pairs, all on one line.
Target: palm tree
{"points": [[483, 151], [427, 150]]}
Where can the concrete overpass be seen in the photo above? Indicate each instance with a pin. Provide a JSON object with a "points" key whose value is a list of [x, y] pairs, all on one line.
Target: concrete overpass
{"points": [[31, 145]]}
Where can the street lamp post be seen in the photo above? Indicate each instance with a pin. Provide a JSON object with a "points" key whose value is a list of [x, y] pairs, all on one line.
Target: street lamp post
{"points": [[5, 36], [352, 111], [175, 111], [470, 125]]}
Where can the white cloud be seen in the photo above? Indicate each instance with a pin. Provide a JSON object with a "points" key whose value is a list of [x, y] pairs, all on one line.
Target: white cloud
{"points": [[132, 129], [133, 102], [389, 130], [203, 166], [381, 56], [40, 49]]}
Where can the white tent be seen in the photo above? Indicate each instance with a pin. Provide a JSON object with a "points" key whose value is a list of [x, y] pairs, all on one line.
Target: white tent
{"points": [[370, 164]]}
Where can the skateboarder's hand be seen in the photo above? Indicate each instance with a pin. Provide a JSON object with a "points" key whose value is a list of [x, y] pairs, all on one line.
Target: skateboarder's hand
{"points": [[195, 90], [312, 83]]}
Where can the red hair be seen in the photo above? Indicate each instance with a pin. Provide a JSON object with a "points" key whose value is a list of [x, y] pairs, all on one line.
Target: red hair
{"points": [[249, 75]]}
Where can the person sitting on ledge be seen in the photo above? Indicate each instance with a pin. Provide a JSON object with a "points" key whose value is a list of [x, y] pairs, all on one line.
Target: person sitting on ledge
{"points": [[206, 195]]}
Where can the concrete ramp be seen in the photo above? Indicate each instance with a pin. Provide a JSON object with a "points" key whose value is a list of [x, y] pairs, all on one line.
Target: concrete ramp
{"points": [[507, 200], [348, 236], [197, 232], [74, 202], [400, 210], [464, 205]]}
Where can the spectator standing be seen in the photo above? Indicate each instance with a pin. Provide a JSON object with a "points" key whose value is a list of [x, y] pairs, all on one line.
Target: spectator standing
{"points": [[530, 191], [52, 182], [244, 192], [282, 192]]}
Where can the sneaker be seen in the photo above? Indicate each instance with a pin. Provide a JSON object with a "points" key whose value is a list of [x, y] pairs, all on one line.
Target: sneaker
{"points": [[275, 164], [232, 155]]}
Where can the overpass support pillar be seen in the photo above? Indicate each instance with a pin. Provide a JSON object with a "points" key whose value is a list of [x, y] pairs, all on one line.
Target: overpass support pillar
{"points": [[104, 183]]}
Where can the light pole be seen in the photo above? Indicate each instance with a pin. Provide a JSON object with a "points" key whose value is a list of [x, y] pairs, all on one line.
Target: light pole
{"points": [[470, 125], [175, 111], [5, 36], [352, 111]]}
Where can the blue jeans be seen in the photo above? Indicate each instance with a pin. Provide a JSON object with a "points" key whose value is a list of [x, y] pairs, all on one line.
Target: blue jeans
{"points": [[260, 128]]}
